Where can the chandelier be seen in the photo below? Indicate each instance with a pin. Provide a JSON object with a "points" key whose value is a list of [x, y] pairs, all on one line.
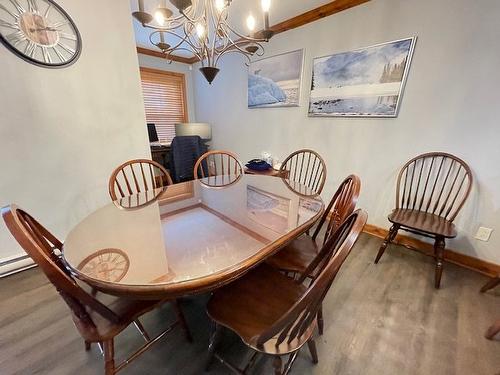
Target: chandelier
{"points": [[202, 28]]}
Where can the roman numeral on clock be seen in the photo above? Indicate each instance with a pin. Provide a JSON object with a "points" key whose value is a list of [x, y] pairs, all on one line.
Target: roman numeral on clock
{"points": [[16, 38], [33, 7]]}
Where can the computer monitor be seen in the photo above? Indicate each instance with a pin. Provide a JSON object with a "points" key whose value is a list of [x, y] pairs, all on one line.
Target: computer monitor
{"points": [[201, 129], [153, 135]]}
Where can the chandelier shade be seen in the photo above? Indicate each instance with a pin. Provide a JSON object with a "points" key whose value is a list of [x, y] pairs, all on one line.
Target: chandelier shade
{"points": [[202, 28]]}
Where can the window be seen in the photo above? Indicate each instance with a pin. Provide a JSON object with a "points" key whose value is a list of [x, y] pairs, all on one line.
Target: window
{"points": [[165, 100]]}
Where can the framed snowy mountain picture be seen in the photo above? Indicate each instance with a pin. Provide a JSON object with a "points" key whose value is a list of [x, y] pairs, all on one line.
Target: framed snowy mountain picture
{"points": [[367, 82], [275, 81]]}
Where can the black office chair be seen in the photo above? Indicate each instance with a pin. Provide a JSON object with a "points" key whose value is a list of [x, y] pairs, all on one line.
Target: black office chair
{"points": [[184, 153]]}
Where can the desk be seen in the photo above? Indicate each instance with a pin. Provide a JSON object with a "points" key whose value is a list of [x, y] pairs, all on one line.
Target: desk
{"points": [[161, 154], [152, 246]]}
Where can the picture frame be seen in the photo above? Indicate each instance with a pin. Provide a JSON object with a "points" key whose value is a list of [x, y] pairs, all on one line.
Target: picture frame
{"points": [[365, 82], [276, 81]]}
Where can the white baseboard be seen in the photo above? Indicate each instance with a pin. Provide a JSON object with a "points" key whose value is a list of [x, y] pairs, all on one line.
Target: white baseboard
{"points": [[16, 263]]}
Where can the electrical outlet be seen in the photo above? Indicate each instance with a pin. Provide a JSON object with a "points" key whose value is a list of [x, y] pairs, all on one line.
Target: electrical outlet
{"points": [[483, 234]]}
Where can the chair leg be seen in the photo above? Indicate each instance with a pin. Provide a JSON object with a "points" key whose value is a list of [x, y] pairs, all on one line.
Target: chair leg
{"points": [[390, 237], [141, 330], [493, 283], [320, 320], [182, 320], [214, 342], [439, 246], [87, 346], [109, 357], [277, 365], [312, 349], [493, 330]]}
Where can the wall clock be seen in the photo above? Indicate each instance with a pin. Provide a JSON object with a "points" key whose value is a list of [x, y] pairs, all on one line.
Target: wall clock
{"points": [[40, 32]]}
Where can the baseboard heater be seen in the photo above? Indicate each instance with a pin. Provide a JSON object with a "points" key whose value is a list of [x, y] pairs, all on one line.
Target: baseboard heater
{"points": [[14, 264]]}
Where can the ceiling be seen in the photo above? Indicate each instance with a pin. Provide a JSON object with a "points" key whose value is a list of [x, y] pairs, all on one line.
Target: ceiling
{"points": [[281, 10]]}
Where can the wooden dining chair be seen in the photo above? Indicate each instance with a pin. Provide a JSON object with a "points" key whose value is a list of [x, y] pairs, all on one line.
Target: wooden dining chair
{"points": [[136, 176], [295, 257], [431, 190], [495, 328], [306, 172], [96, 321], [275, 315], [218, 168]]}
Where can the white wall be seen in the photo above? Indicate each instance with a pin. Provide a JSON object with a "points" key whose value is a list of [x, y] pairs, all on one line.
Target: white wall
{"points": [[162, 64], [63, 131], [450, 104]]}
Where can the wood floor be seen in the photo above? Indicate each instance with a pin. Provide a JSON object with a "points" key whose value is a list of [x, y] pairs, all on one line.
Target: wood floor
{"points": [[379, 319]]}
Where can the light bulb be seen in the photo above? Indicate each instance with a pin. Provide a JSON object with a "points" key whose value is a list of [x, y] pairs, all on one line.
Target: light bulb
{"points": [[220, 5], [266, 5], [159, 18], [200, 30], [251, 23]]}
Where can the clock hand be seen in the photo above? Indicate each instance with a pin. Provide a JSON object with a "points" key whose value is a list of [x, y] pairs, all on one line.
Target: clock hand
{"points": [[48, 28]]}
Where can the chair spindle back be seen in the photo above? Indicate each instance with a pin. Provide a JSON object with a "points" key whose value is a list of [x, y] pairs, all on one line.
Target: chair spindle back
{"points": [[218, 168], [342, 204], [136, 176], [296, 321], [436, 183], [305, 168]]}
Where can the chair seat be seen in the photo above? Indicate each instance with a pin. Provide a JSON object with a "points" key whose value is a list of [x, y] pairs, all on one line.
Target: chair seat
{"points": [[251, 305], [423, 222], [127, 310], [296, 256]]}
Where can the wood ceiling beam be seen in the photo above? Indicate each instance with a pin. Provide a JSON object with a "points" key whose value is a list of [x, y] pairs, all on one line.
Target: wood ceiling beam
{"points": [[316, 14], [313, 15]]}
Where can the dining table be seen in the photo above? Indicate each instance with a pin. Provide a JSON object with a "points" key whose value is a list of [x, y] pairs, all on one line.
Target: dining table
{"points": [[188, 238]]}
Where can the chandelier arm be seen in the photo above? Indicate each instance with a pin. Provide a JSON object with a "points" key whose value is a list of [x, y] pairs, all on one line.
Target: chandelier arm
{"points": [[179, 48], [247, 38], [236, 44], [216, 24], [205, 40], [236, 48], [190, 15], [221, 26], [241, 52], [175, 20], [193, 49], [201, 44], [194, 44], [188, 18], [183, 39], [169, 53], [226, 39]]}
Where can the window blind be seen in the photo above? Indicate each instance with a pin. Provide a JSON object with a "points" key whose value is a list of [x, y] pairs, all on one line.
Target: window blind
{"points": [[164, 100]]}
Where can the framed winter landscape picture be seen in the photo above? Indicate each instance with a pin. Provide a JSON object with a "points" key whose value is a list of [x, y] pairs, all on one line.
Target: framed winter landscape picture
{"points": [[367, 82], [275, 81]]}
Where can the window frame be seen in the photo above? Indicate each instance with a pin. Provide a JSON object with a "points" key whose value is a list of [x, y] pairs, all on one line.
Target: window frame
{"points": [[182, 77]]}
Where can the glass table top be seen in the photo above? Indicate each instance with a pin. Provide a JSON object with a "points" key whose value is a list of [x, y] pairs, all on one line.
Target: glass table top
{"points": [[189, 234]]}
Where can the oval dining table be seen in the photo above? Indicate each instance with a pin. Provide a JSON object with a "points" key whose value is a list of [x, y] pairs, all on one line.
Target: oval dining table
{"points": [[187, 238]]}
